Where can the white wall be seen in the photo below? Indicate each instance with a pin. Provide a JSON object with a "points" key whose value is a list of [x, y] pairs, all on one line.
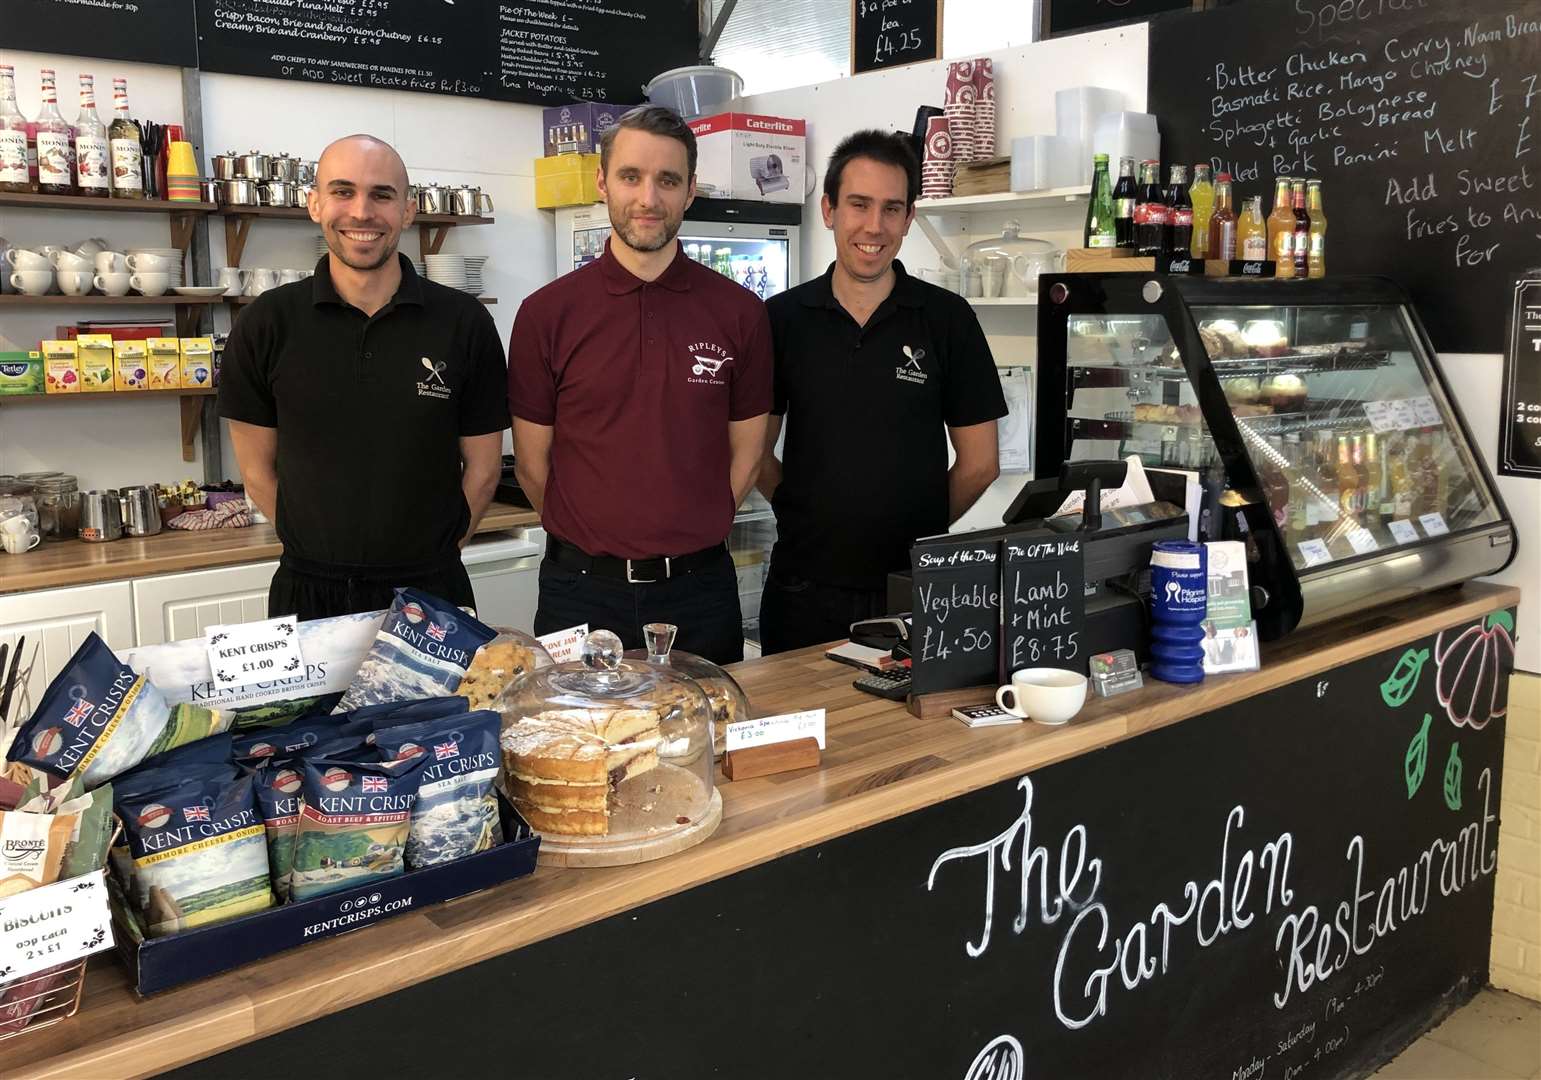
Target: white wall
{"points": [[493, 145]]}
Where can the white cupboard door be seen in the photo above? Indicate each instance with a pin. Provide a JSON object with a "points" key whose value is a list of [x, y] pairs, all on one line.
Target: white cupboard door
{"points": [[49, 625], [179, 606]]}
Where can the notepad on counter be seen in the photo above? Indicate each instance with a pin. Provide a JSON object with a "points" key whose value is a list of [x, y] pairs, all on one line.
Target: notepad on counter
{"points": [[991, 715], [862, 656]]}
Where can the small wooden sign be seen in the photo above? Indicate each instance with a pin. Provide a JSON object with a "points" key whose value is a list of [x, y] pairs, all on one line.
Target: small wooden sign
{"points": [[894, 33], [772, 758]]}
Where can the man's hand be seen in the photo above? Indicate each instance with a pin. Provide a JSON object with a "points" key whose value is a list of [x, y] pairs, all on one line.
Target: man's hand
{"points": [[532, 459], [481, 458], [977, 465], [770, 465], [746, 445], [256, 458]]}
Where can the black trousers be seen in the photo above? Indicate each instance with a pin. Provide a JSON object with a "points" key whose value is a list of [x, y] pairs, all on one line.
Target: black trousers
{"points": [[702, 603], [796, 612], [320, 590]]}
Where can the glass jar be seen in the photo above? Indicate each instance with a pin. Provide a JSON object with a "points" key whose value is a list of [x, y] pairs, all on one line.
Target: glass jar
{"points": [[608, 758], [728, 701], [17, 499], [500, 663], [1023, 259], [58, 506]]}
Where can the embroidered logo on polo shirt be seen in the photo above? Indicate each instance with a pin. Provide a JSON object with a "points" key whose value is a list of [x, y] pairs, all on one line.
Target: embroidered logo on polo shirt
{"points": [[910, 370], [434, 385], [706, 363]]}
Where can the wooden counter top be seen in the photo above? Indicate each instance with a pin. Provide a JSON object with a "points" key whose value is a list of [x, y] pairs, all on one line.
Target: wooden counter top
{"points": [[74, 562], [880, 762]]}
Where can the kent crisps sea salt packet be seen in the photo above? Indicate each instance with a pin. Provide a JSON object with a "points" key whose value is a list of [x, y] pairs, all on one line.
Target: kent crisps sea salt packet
{"points": [[353, 824], [456, 813], [421, 651]]}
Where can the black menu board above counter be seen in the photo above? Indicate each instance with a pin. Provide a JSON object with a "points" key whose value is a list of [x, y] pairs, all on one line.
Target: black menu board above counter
{"points": [[1043, 603], [893, 33], [146, 31], [1421, 117], [551, 51]]}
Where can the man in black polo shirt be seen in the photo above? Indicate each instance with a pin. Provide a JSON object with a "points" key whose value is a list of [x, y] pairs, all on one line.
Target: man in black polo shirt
{"points": [[875, 372], [366, 405]]}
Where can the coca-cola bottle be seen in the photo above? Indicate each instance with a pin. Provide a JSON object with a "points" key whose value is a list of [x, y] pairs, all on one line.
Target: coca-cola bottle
{"points": [[1179, 212], [1124, 198], [1150, 213]]}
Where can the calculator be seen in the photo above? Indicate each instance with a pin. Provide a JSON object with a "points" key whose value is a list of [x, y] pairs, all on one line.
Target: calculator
{"points": [[893, 685]]}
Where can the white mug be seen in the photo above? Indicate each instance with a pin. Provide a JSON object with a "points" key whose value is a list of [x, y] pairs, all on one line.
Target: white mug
{"points": [[112, 284], [148, 264], [230, 280], [32, 282], [260, 280], [68, 260], [75, 282], [24, 259], [111, 262], [49, 250], [150, 284], [1045, 695], [289, 277], [18, 535]]}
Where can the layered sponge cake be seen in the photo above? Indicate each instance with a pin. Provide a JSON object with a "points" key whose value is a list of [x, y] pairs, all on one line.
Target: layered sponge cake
{"points": [[562, 764]]}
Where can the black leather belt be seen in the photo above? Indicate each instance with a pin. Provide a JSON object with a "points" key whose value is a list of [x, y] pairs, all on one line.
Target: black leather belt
{"points": [[636, 571]]}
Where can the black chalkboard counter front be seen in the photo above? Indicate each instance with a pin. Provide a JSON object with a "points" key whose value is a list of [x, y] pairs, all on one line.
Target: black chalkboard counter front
{"points": [[1282, 873]]}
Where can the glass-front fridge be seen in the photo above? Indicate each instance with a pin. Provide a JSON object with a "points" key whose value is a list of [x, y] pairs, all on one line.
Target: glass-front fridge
{"points": [[1316, 407], [754, 243]]}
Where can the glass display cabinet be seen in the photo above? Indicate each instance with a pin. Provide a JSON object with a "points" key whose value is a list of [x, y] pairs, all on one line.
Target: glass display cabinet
{"points": [[1315, 406]]}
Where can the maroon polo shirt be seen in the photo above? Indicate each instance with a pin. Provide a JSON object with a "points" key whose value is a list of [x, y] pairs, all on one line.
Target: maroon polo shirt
{"points": [[640, 380]]}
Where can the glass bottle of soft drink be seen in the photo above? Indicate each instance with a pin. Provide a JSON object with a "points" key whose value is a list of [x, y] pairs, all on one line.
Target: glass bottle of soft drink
{"points": [[1316, 252], [1281, 230], [1349, 494], [1275, 481], [1201, 193], [1302, 227], [1295, 454], [1252, 231], [1150, 211], [1325, 463], [1100, 231], [55, 145], [1179, 213], [13, 136], [1124, 196], [91, 154], [1222, 221]]}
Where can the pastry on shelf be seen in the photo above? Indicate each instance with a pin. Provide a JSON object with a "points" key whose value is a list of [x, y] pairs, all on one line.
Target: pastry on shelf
{"points": [[1286, 393], [1244, 390], [1265, 338]]}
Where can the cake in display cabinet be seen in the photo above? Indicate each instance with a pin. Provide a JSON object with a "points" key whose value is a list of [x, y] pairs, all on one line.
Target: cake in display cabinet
{"points": [[1315, 407], [610, 759]]}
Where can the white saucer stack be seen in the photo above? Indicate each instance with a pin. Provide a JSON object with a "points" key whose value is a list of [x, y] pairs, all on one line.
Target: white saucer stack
{"points": [[447, 270]]}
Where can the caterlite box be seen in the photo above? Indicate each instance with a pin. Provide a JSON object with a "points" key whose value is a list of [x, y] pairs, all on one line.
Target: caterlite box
{"points": [[157, 964], [745, 156]]}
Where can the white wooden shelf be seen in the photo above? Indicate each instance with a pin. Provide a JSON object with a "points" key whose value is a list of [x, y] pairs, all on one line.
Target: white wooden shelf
{"points": [[1003, 200]]}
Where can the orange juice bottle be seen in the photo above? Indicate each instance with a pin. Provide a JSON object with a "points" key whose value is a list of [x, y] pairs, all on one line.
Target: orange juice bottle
{"points": [[1281, 230], [1251, 231]]}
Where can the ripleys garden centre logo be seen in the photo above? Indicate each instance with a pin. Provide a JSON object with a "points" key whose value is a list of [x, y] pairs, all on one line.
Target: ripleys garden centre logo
{"points": [[706, 363]]}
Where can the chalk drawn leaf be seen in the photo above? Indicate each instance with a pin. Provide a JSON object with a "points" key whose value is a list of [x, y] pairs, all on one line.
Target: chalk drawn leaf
{"points": [[1403, 680], [1453, 777], [1417, 758]]}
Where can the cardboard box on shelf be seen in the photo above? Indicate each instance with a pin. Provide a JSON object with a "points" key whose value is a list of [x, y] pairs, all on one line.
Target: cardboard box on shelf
{"points": [[130, 365], [576, 127], [165, 363], [96, 362], [61, 367], [746, 156], [566, 180], [197, 362], [21, 373]]}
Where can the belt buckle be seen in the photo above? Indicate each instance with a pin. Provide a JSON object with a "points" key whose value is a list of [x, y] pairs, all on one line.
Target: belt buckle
{"points": [[667, 573]]}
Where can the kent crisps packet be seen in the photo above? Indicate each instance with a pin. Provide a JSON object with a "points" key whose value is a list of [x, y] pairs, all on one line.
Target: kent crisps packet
{"points": [[456, 813], [353, 824], [422, 650], [279, 743], [279, 797], [199, 854], [394, 713], [98, 719]]}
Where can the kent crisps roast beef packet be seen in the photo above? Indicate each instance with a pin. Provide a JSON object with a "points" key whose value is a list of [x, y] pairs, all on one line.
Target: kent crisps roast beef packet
{"points": [[98, 719], [278, 744], [456, 813], [421, 651], [198, 852], [353, 824], [280, 796]]}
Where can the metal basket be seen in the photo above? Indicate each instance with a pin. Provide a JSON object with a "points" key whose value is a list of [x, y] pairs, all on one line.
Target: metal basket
{"points": [[41, 999]]}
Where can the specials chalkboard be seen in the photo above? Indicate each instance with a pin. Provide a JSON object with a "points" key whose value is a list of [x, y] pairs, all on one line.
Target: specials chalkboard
{"points": [[1519, 418], [146, 31], [1421, 117], [1043, 604], [1061, 17], [955, 613], [893, 33], [545, 53]]}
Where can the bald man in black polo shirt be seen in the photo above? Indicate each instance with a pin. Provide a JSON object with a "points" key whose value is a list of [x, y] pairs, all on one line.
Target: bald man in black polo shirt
{"points": [[366, 405]]}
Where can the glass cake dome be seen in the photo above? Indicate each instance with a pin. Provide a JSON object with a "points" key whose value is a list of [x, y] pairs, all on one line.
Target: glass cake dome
{"points": [[729, 702], [498, 664], [609, 758]]}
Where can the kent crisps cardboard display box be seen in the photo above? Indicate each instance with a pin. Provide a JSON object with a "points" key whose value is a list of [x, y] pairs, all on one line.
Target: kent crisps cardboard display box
{"points": [[746, 156]]}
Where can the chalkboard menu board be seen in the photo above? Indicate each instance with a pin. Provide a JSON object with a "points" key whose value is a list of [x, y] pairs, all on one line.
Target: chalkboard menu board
{"points": [[146, 31], [1079, 16], [1423, 119], [893, 33], [1519, 421], [1043, 602], [544, 53], [956, 613]]}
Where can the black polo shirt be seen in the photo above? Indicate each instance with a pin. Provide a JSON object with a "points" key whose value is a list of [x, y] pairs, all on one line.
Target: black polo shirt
{"points": [[369, 412], [867, 408]]}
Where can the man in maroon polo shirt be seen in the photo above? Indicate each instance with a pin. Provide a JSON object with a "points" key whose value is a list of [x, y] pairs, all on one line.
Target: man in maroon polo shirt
{"points": [[639, 386]]}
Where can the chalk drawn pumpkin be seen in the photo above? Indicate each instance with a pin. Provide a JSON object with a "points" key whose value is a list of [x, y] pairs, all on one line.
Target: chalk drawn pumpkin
{"points": [[1472, 664]]}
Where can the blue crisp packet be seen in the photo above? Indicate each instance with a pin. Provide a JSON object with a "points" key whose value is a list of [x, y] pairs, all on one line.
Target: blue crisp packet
{"points": [[396, 713], [353, 822], [275, 744], [456, 813], [422, 651]]}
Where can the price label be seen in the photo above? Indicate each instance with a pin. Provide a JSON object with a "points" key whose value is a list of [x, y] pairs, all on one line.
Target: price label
{"points": [[1403, 531], [54, 924], [1380, 415], [1314, 552], [1403, 415], [1427, 412], [768, 730], [241, 654], [1362, 541], [565, 645], [1433, 524]]}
